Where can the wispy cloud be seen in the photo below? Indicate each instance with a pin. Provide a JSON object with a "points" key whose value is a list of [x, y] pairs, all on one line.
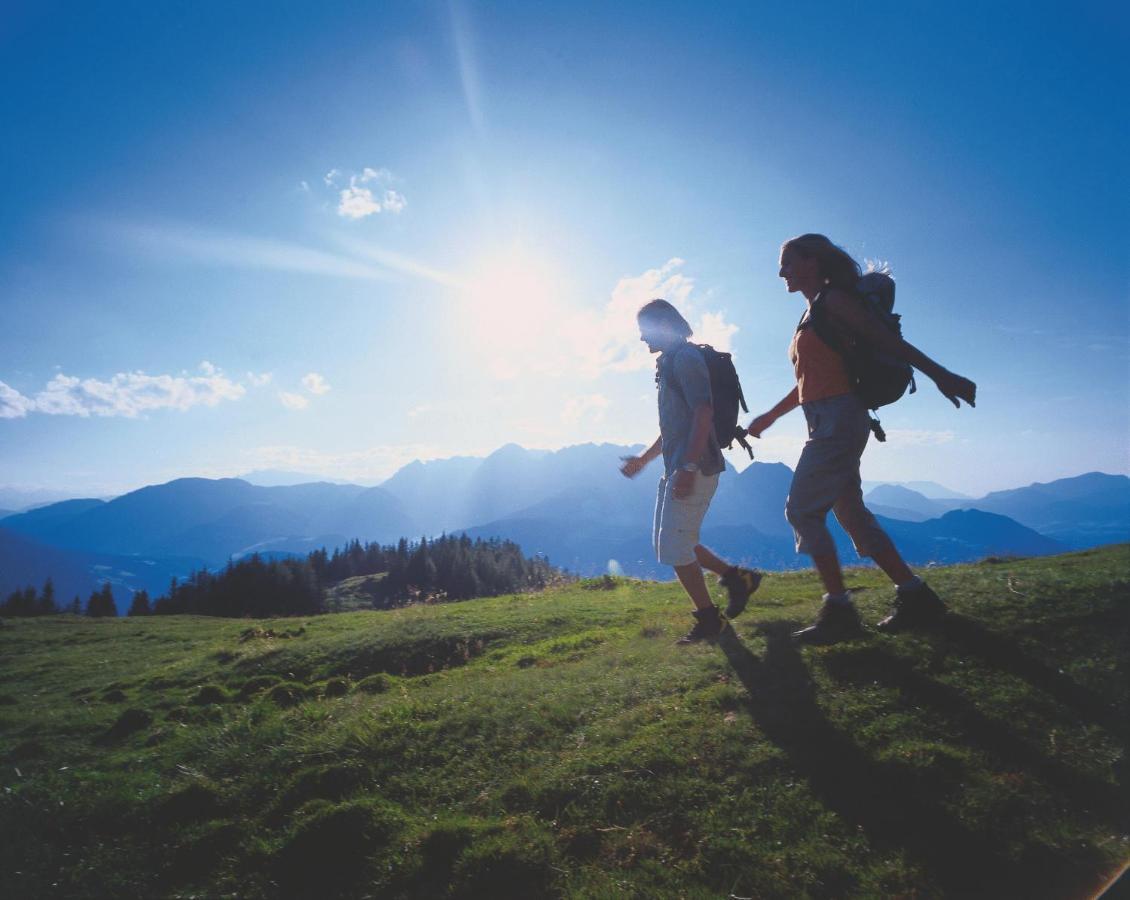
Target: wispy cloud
{"points": [[905, 437], [126, 394], [261, 379], [293, 401], [369, 464], [465, 59], [590, 406], [208, 246], [315, 383], [359, 259]]}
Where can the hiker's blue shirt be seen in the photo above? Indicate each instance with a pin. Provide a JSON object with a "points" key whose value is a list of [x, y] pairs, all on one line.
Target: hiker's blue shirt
{"points": [[684, 383]]}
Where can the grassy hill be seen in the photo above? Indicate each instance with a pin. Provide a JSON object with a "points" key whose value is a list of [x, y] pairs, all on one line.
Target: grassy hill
{"points": [[559, 744]]}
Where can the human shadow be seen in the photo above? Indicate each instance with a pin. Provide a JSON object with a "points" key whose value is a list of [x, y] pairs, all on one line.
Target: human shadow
{"points": [[872, 664], [893, 807], [999, 652]]}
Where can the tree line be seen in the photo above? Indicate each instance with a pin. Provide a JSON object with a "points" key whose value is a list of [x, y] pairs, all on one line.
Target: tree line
{"points": [[30, 602], [447, 568]]}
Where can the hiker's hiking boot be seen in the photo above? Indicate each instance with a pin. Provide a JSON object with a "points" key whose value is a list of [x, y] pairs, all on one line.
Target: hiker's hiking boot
{"points": [[739, 584], [916, 607], [707, 626], [834, 623]]}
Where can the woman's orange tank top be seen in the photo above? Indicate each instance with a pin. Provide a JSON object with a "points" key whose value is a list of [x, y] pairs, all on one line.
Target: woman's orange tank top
{"points": [[820, 370]]}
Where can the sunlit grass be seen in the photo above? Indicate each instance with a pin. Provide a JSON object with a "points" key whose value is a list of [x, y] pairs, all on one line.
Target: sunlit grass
{"points": [[561, 744]]}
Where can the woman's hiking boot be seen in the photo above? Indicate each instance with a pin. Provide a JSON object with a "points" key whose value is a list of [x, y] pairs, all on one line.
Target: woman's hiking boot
{"points": [[915, 607], [740, 585], [834, 623], [708, 625]]}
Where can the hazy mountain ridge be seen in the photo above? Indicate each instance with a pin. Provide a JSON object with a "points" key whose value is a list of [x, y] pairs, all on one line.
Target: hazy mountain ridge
{"points": [[571, 505]]}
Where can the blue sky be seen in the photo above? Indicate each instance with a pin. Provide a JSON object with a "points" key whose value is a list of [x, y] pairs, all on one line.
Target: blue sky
{"points": [[335, 238]]}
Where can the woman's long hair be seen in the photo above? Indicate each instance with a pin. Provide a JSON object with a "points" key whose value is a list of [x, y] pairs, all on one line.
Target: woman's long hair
{"points": [[836, 265]]}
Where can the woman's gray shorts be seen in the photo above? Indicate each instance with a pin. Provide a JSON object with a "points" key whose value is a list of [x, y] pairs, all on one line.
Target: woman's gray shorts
{"points": [[827, 478], [678, 521]]}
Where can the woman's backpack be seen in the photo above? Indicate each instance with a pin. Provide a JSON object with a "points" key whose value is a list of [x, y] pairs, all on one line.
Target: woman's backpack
{"points": [[878, 379]]}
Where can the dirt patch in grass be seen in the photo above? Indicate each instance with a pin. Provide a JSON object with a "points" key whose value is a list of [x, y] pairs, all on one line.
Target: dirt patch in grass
{"points": [[328, 853], [130, 721]]}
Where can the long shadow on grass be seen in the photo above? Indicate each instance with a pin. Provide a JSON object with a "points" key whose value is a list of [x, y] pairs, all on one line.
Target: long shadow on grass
{"points": [[999, 652], [884, 799], [866, 665]]}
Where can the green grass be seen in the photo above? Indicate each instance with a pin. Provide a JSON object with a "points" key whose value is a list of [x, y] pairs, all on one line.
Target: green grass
{"points": [[560, 744]]}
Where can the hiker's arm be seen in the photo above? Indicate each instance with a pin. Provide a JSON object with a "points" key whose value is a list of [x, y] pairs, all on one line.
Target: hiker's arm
{"points": [[790, 402], [696, 445], [852, 316], [633, 465]]}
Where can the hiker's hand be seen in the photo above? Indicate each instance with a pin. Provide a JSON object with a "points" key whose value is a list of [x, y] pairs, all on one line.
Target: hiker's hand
{"points": [[684, 485], [759, 424], [632, 467], [956, 388]]}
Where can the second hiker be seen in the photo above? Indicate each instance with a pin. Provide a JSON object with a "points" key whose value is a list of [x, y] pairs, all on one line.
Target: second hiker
{"points": [[692, 462]]}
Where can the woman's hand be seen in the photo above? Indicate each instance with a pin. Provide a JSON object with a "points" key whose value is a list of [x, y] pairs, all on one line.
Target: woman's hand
{"points": [[956, 388], [632, 466], [759, 424]]}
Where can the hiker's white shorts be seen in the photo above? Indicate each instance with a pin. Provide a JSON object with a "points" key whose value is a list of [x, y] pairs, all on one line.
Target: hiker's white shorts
{"points": [[678, 521], [827, 478]]}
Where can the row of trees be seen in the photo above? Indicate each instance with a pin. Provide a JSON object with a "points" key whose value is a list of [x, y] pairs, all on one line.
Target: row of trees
{"points": [[29, 602], [446, 568]]}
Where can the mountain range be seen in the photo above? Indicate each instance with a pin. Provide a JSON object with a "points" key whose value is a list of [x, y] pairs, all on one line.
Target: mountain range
{"points": [[571, 505]]}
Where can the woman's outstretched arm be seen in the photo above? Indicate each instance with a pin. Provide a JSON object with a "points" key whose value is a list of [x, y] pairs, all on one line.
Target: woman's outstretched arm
{"points": [[851, 315]]}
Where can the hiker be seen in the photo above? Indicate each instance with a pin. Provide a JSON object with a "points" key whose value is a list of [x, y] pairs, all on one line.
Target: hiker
{"points": [[692, 462], [827, 474]]}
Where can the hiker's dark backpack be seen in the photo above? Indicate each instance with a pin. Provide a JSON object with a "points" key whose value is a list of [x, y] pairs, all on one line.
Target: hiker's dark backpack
{"points": [[878, 379], [726, 397]]}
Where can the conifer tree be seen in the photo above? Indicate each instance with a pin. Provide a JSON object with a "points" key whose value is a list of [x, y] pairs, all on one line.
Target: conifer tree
{"points": [[140, 605]]}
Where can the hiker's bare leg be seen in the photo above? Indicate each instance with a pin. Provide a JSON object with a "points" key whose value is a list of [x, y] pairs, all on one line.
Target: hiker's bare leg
{"points": [[889, 560], [828, 566], [690, 577], [709, 561]]}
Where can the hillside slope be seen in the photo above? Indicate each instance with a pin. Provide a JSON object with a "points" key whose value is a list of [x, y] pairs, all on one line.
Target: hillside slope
{"points": [[560, 744]]}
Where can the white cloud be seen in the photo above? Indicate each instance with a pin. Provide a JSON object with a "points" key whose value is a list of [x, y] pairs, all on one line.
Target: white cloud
{"points": [[357, 203], [260, 380], [618, 347], [207, 368], [13, 404], [522, 326], [293, 401], [590, 406], [713, 329], [130, 394], [315, 383]]}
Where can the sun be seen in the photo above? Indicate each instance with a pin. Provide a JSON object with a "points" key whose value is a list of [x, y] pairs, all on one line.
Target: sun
{"points": [[512, 297]]}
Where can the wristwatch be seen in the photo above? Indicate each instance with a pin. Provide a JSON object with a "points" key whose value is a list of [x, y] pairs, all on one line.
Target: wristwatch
{"points": [[689, 467]]}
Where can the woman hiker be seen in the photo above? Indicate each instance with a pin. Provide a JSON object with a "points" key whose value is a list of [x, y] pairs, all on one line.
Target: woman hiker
{"points": [[692, 461], [827, 475]]}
